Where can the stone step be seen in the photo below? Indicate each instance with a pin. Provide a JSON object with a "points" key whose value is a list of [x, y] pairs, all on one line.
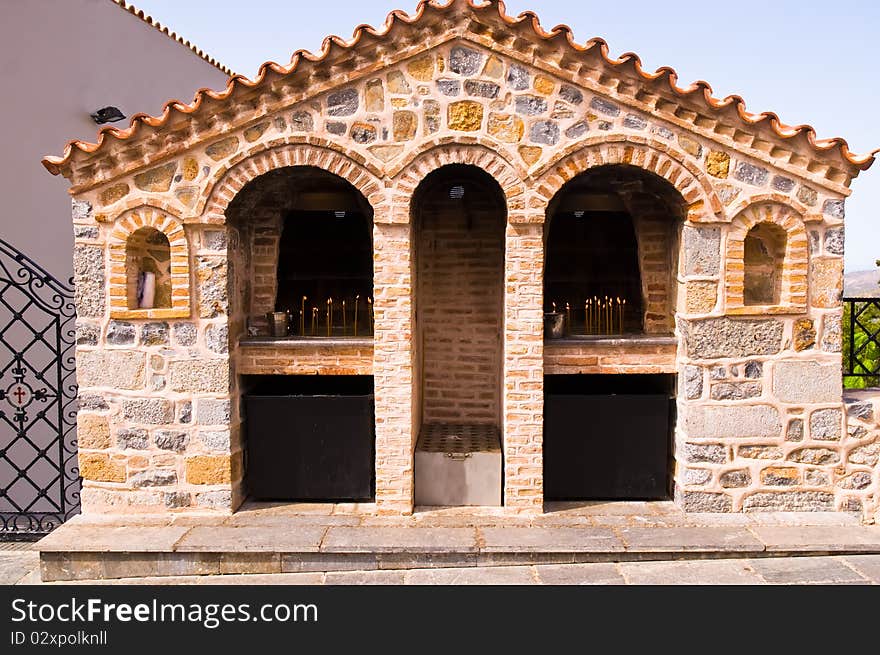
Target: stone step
{"points": [[82, 550]]}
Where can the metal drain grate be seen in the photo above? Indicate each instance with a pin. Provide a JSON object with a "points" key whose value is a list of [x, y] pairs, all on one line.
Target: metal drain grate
{"points": [[453, 438]]}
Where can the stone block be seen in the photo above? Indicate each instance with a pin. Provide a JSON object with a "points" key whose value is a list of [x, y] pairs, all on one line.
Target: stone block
{"points": [[217, 338], [709, 453], [465, 116], [868, 454], [342, 103], [826, 282], [604, 106], [156, 180], [185, 334], [696, 477], [149, 411], [571, 94], [465, 61], [100, 468], [212, 279], [121, 333], [834, 208], [825, 424], [693, 382], [92, 431], [780, 476], [132, 439], [173, 440], [736, 390], [220, 499], [153, 478], [114, 369], [200, 375], [530, 105], [795, 430], [213, 412], [155, 334], [814, 456], [701, 295], [215, 439], [804, 334], [87, 333], [702, 250], [723, 337], [704, 501], [750, 174], [807, 382], [519, 79], [725, 422], [718, 164], [209, 469], [789, 501], [807, 196], [735, 479], [834, 241], [89, 280]]}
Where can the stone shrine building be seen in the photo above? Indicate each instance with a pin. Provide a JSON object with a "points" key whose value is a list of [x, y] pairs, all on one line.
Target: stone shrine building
{"points": [[504, 267]]}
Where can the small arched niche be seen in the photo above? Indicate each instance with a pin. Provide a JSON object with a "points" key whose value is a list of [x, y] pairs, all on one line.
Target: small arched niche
{"points": [[610, 252], [148, 269], [764, 255]]}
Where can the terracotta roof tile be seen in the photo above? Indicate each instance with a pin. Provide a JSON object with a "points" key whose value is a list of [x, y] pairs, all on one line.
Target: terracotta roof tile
{"points": [[699, 88]]}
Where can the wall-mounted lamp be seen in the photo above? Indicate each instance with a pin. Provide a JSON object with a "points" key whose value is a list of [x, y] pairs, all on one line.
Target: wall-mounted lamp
{"points": [[107, 115]]}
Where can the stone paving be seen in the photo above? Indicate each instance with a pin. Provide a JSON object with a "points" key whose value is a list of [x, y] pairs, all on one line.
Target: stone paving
{"points": [[337, 540], [22, 567]]}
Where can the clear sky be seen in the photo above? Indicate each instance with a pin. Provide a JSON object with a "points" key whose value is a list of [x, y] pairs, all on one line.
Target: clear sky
{"points": [[810, 61]]}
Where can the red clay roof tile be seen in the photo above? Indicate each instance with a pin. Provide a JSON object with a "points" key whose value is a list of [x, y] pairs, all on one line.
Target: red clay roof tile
{"points": [[54, 164]]}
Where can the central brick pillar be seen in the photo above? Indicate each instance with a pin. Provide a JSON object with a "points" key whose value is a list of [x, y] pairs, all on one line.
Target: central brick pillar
{"points": [[523, 400], [396, 429]]}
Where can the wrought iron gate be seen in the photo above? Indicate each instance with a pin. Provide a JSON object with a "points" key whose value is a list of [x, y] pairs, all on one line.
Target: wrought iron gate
{"points": [[39, 478]]}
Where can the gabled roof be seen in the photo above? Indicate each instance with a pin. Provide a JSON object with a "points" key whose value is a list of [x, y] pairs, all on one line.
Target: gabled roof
{"points": [[130, 8], [333, 45]]}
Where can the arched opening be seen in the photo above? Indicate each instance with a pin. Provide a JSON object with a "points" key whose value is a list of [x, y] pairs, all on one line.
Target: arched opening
{"points": [[300, 325], [148, 269], [459, 216], [764, 254], [611, 253], [310, 254]]}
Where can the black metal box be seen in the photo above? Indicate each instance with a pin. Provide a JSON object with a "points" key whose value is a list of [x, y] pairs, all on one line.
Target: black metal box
{"points": [[311, 438], [607, 446]]}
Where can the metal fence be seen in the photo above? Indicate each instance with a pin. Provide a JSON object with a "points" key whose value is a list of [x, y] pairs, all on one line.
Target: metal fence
{"points": [[861, 342], [39, 478]]}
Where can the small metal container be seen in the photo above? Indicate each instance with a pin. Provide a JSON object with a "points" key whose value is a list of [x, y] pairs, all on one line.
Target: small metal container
{"points": [[554, 325], [279, 324]]}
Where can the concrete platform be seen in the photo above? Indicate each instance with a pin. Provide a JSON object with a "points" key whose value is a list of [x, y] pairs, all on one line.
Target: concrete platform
{"points": [[265, 539]]}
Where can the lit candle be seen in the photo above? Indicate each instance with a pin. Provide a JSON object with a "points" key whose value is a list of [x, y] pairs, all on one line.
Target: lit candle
{"points": [[622, 314], [343, 318], [329, 315], [568, 316], [587, 316], [302, 316], [356, 303], [619, 317], [370, 312], [314, 321]]}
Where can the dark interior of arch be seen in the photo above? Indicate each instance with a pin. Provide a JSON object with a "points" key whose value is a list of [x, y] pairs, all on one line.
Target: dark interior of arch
{"points": [[325, 248], [595, 223]]}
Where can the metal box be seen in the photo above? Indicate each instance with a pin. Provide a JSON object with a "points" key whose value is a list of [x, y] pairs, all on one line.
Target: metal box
{"points": [[311, 439], [458, 465]]}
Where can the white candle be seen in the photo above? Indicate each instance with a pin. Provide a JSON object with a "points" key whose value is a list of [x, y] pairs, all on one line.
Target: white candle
{"points": [[146, 290]]}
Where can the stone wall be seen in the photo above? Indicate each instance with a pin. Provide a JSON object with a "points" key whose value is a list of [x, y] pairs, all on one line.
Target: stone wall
{"points": [[762, 423]]}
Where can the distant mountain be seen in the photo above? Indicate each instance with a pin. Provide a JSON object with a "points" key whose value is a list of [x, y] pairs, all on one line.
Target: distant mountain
{"points": [[862, 284]]}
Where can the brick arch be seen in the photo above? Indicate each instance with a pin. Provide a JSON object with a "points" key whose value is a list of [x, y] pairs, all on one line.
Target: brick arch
{"points": [[438, 155], [125, 225], [248, 166], [795, 264], [703, 204]]}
